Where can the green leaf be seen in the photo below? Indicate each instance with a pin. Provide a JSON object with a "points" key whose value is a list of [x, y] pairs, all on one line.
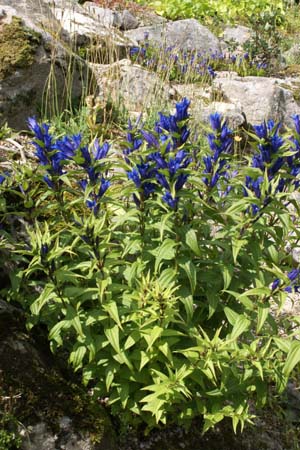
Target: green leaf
{"points": [[47, 295], [165, 349], [166, 278], [293, 358], [192, 242], [188, 303], [55, 332], [191, 272], [112, 335], [256, 291], [227, 272], [76, 357], [263, 312], [231, 315], [240, 326], [109, 378], [132, 339], [165, 252], [283, 344], [213, 301], [237, 245], [152, 335], [112, 310], [144, 359]]}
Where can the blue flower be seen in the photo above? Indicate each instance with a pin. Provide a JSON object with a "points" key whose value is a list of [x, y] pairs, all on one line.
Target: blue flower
{"points": [[3, 177], [296, 119], [182, 110], [103, 187], [215, 121], [49, 182], [162, 180], [293, 274], [68, 146], [168, 198], [181, 180], [275, 284], [93, 202], [158, 159], [211, 72], [135, 177], [100, 152], [150, 139]]}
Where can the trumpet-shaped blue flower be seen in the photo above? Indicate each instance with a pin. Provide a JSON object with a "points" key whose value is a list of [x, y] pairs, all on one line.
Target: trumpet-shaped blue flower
{"points": [[182, 110], [93, 202], [170, 200], [100, 152]]}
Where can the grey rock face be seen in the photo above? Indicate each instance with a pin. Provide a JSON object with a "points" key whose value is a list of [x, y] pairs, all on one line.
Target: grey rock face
{"points": [[137, 88], [109, 18], [259, 98], [238, 34], [185, 34], [59, 24], [128, 21], [105, 16]]}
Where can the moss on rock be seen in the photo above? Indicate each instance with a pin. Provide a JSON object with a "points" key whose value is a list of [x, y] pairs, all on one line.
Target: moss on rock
{"points": [[18, 46]]}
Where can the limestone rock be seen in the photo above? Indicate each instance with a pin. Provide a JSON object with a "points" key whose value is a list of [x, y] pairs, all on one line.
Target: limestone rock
{"points": [[128, 21], [105, 16], [259, 98], [237, 35], [185, 34], [26, 52], [36, 75], [110, 18], [136, 88], [203, 104]]}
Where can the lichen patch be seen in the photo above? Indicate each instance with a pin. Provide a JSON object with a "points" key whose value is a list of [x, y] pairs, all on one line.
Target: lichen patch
{"points": [[18, 46]]}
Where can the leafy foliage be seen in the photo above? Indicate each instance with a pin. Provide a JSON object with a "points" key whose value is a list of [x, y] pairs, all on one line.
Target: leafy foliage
{"points": [[214, 10], [161, 268]]}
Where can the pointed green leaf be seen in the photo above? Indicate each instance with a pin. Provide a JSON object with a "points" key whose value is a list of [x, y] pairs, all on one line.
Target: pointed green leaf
{"points": [[293, 358], [112, 335], [240, 326], [192, 242], [263, 312]]}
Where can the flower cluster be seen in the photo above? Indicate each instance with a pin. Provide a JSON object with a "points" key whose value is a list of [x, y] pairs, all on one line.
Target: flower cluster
{"points": [[294, 160], [95, 183], [268, 160], [54, 154], [294, 285], [163, 168], [180, 65], [46, 151], [220, 143]]}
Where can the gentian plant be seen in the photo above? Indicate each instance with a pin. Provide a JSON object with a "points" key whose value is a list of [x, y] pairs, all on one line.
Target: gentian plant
{"points": [[160, 270]]}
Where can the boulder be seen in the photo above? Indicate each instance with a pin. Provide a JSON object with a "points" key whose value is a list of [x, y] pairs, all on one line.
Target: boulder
{"points": [[186, 35], [82, 25], [130, 85], [205, 101], [46, 411], [110, 18], [237, 35], [39, 68], [107, 17], [259, 98]]}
